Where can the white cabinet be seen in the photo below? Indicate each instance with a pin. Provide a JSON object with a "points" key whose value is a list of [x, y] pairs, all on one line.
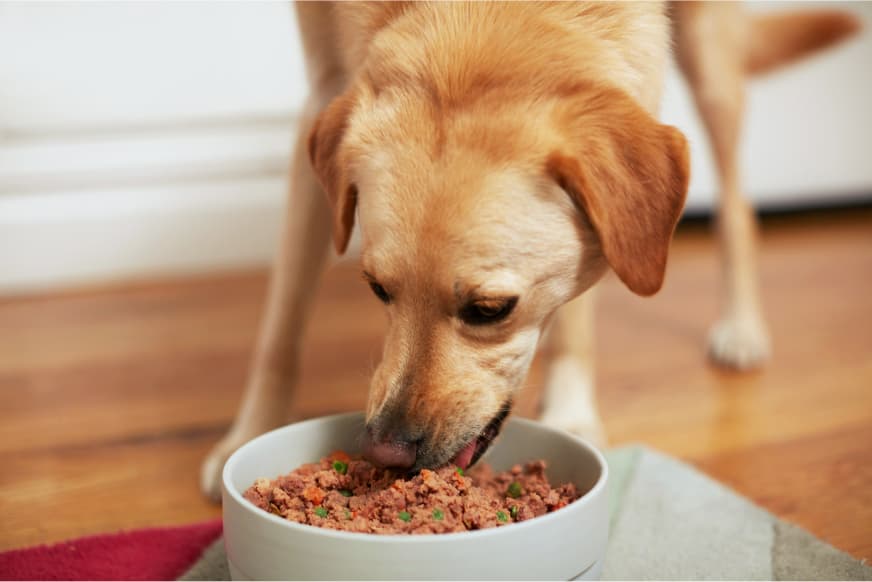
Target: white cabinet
{"points": [[807, 136], [143, 138]]}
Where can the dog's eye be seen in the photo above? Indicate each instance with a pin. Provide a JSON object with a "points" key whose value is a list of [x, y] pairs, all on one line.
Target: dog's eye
{"points": [[380, 292], [487, 311]]}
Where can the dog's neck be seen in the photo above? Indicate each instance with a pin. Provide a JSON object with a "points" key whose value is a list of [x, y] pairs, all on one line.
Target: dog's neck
{"points": [[458, 52]]}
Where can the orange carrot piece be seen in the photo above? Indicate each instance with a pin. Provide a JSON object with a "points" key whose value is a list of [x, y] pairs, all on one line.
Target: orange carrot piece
{"points": [[314, 494]]}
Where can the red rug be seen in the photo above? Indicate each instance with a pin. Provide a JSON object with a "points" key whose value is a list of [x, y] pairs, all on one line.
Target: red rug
{"points": [[162, 553]]}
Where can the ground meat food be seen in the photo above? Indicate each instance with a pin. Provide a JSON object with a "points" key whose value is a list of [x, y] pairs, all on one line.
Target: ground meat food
{"points": [[350, 494]]}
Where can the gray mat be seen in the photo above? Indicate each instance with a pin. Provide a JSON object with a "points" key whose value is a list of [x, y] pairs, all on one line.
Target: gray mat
{"points": [[671, 522]]}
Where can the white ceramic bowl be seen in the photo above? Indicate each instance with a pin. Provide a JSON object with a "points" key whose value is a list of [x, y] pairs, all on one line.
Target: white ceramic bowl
{"points": [[569, 543]]}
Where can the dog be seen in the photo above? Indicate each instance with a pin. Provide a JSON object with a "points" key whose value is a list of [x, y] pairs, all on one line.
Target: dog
{"points": [[498, 159]]}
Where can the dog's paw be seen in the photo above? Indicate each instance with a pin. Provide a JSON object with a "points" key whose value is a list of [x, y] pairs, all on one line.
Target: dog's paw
{"points": [[740, 343], [570, 402], [590, 429], [213, 465]]}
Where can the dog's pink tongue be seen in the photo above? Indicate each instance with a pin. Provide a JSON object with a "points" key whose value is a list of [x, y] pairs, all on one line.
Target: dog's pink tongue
{"points": [[464, 457]]}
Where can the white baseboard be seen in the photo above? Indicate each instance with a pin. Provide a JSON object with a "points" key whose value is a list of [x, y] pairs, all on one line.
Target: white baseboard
{"points": [[80, 210], [73, 238], [145, 156]]}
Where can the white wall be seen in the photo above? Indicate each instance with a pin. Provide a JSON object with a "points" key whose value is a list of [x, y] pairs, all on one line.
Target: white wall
{"points": [[142, 138], [149, 138], [113, 66], [808, 129]]}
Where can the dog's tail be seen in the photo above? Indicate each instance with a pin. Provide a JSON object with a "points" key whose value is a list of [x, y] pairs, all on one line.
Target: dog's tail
{"points": [[781, 38]]}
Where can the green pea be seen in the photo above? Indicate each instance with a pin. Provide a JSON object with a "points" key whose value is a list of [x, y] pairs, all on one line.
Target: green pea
{"points": [[320, 511], [340, 467], [345, 492], [404, 515], [460, 471], [514, 491], [513, 511], [437, 514], [347, 514], [501, 516]]}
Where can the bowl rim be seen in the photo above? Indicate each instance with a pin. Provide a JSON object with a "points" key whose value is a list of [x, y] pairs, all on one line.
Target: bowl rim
{"points": [[303, 528]]}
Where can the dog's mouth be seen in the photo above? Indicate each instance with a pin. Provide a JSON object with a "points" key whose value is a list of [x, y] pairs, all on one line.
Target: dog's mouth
{"points": [[474, 449]]}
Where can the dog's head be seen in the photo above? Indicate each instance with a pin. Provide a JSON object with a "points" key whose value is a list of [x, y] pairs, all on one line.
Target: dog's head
{"points": [[477, 222]]}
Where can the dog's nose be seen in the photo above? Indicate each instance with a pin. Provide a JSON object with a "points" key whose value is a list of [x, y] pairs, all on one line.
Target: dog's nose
{"points": [[389, 452]]}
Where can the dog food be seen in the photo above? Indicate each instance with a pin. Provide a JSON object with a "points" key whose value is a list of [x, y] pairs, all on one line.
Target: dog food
{"points": [[350, 494]]}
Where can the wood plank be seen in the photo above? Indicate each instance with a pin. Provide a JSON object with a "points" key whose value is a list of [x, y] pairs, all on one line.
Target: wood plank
{"points": [[52, 495], [821, 482], [110, 397]]}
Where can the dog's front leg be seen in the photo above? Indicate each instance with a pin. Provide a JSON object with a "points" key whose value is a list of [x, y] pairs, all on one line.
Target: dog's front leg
{"points": [[295, 275], [569, 401]]}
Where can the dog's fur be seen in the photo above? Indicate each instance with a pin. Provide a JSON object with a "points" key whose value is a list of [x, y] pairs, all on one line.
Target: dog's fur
{"points": [[490, 151]]}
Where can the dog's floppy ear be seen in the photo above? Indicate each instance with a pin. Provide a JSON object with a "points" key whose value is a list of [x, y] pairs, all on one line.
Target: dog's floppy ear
{"points": [[331, 167], [629, 174]]}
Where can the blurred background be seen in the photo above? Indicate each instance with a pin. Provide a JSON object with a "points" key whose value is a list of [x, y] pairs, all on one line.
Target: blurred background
{"points": [[166, 128], [144, 150]]}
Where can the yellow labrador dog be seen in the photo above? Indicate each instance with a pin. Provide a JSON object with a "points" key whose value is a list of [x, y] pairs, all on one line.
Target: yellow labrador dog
{"points": [[498, 159]]}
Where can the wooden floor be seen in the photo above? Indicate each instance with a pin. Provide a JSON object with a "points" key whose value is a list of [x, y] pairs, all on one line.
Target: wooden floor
{"points": [[110, 398]]}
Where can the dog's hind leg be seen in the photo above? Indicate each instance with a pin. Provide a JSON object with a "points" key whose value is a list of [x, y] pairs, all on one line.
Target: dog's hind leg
{"points": [[719, 47], [295, 272], [569, 400], [711, 48]]}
